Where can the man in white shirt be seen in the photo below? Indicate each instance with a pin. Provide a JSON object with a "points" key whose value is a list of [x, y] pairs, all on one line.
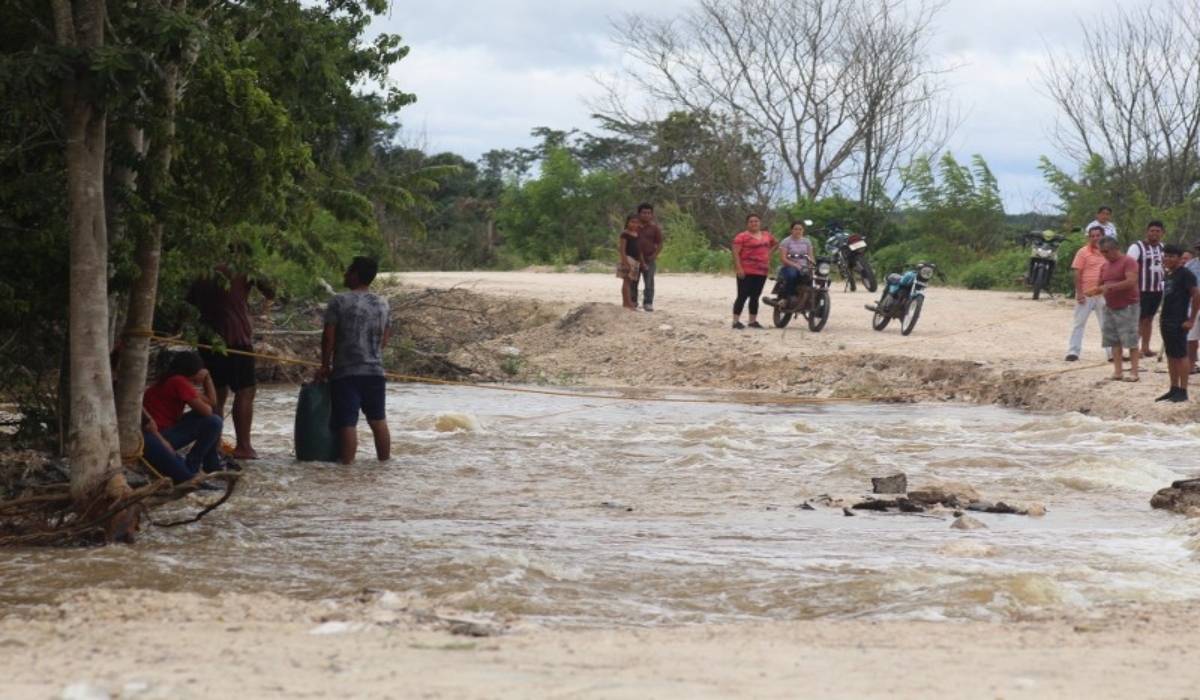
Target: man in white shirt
{"points": [[1148, 254]]}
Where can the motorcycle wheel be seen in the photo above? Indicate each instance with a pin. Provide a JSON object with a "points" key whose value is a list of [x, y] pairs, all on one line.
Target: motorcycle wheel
{"points": [[911, 313], [780, 317], [1039, 281], [818, 314], [882, 318], [867, 274]]}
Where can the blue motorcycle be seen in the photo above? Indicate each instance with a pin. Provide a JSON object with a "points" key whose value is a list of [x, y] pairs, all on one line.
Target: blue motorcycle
{"points": [[903, 295]]}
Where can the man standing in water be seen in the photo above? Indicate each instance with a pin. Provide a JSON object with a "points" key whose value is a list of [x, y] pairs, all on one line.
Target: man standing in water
{"points": [[1181, 303], [356, 331], [650, 243], [223, 300]]}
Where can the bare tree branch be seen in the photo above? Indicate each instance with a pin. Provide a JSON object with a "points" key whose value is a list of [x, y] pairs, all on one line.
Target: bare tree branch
{"points": [[838, 94]]}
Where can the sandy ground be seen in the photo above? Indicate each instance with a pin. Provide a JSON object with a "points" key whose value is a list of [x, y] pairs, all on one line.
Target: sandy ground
{"points": [[970, 346], [974, 346]]}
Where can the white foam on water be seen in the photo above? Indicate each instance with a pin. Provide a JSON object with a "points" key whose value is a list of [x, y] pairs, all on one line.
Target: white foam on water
{"points": [[452, 422]]}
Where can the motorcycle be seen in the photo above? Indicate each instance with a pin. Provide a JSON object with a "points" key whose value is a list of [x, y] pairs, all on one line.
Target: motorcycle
{"points": [[903, 295], [1043, 258], [810, 298], [849, 252]]}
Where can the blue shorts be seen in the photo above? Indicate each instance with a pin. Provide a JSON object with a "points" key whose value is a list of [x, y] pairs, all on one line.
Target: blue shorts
{"points": [[351, 394]]}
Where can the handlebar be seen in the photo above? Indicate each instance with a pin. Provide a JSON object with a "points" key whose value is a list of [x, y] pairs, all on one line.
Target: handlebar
{"points": [[936, 270], [1040, 236]]}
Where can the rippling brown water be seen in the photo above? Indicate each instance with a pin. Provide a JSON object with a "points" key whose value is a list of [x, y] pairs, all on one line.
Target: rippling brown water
{"points": [[598, 511]]}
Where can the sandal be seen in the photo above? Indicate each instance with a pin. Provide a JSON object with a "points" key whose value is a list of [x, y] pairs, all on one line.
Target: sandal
{"points": [[754, 324], [1114, 378], [1131, 378]]}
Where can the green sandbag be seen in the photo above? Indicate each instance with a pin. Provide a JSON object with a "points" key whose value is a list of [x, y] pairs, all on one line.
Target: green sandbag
{"points": [[315, 440]]}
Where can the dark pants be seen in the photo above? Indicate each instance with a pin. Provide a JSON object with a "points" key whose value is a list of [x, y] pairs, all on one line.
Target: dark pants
{"points": [[749, 287], [647, 274], [233, 370], [367, 393], [791, 278], [1174, 340], [203, 433], [164, 460]]}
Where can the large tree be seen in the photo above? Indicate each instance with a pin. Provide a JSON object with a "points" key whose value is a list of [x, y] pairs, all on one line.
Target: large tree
{"points": [[839, 94], [181, 126], [704, 162], [1129, 103], [97, 476]]}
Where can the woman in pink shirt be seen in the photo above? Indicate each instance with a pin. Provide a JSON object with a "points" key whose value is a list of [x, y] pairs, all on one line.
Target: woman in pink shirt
{"points": [[751, 263]]}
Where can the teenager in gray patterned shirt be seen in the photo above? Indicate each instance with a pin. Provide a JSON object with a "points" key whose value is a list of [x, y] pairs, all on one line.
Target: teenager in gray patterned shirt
{"points": [[356, 331]]}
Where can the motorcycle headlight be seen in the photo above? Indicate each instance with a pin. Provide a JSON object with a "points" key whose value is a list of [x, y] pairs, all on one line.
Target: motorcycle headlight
{"points": [[925, 273], [823, 269]]}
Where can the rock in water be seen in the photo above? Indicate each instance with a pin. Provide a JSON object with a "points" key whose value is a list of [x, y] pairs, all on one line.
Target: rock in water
{"points": [[950, 493], [896, 483], [966, 522], [1181, 497]]}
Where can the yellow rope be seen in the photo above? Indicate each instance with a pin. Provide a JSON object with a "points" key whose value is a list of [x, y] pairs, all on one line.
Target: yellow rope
{"points": [[140, 456]]}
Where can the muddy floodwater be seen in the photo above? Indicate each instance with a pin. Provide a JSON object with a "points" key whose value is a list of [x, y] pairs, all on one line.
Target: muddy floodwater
{"points": [[589, 510]]}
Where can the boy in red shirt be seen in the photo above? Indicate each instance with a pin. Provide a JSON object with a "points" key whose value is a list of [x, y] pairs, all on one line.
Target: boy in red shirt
{"points": [[167, 402]]}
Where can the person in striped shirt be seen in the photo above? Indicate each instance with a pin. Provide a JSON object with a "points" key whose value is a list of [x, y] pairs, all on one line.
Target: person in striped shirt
{"points": [[1149, 256]]}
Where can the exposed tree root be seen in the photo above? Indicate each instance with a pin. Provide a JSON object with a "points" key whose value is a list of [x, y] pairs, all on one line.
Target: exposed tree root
{"points": [[39, 510]]}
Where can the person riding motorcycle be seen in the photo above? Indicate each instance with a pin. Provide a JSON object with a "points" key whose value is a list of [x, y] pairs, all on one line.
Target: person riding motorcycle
{"points": [[796, 260]]}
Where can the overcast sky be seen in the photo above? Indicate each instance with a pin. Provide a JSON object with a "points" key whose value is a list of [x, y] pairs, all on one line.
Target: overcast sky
{"points": [[486, 72]]}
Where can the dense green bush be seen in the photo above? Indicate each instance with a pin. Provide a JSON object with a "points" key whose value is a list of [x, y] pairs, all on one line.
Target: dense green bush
{"points": [[685, 248], [996, 272]]}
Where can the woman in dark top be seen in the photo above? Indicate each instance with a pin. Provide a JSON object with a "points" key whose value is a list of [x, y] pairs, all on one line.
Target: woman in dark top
{"points": [[630, 264]]}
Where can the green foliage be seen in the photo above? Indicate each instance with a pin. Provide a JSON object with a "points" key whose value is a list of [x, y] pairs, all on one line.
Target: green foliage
{"points": [[950, 256], [685, 247], [272, 137], [705, 160], [961, 203], [565, 215], [1098, 185], [999, 271]]}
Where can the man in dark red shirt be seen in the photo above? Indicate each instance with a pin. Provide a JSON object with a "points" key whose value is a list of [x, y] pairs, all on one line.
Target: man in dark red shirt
{"points": [[1119, 285], [650, 242], [223, 301]]}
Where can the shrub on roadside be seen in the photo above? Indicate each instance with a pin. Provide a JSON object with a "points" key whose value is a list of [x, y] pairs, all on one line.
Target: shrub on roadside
{"points": [[685, 248]]}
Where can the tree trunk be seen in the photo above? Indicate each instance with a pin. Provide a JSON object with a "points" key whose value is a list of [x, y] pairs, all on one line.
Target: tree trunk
{"points": [[143, 296], [96, 475]]}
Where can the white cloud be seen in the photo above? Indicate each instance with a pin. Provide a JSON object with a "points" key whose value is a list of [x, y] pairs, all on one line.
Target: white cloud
{"points": [[486, 72]]}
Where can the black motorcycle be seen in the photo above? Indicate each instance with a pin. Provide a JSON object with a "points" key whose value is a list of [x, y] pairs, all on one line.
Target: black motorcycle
{"points": [[1043, 258], [810, 299], [849, 252]]}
